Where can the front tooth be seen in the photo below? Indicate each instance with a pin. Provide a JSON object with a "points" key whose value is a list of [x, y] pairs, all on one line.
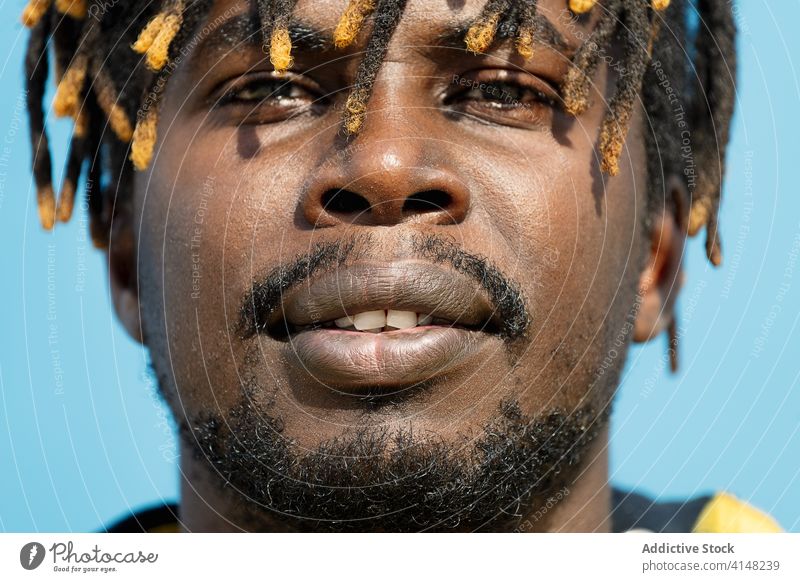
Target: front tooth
{"points": [[401, 319], [424, 319], [345, 321], [370, 320]]}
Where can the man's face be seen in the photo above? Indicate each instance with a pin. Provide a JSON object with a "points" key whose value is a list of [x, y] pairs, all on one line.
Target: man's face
{"points": [[466, 195]]}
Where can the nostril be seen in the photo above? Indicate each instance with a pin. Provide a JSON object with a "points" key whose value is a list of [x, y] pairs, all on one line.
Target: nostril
{"points": [[344, 202], [428, 201]]}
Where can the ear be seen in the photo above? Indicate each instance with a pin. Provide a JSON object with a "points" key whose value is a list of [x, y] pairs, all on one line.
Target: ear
{"points": [[121, 254], [663, 277]]}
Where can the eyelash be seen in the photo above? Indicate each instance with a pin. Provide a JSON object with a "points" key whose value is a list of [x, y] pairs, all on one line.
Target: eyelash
{"points": [[489, 95], [494, 90], [279, 91]]}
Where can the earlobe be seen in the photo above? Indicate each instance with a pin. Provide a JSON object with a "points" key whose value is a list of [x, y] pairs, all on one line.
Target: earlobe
{"points": [[663, 277], [126, 304]]}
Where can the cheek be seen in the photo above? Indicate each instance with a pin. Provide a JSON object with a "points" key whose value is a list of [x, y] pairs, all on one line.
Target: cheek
{"points": [[576, 243], [208, 229]]}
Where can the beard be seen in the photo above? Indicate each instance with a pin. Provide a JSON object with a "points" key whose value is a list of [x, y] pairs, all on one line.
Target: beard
{"points": [[393, 481]]}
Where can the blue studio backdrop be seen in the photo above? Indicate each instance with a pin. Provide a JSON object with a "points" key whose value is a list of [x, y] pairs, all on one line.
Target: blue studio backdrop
{"points": [[84, 437]]}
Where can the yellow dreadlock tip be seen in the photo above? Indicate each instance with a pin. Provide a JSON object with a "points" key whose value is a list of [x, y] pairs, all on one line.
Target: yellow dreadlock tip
{"points": [[120, 124], [115, 113], [714, 254], [351, 21], [66, 201], [353, 124], [574, 107], [611, 150], [660, 5], [610, 166], [158, 51], [67, 99], [46, 201], [581, 6], [74, 8], [144, 141], [280, 50], [481, 34], [148, 34], [98, 232], [525, 43], [81, 126], [574, 103], [33, 12], [356, 108], [698, 216]]}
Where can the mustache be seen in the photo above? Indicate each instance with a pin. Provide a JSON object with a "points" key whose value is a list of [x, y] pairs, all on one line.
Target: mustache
{"points": [[504, 294]]}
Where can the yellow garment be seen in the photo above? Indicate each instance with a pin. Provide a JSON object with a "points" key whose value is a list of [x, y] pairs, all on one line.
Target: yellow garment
{"points": [[726, 514], [166, 528]]}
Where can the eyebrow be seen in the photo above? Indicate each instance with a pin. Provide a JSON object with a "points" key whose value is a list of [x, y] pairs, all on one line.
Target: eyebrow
{"points": [[544, 32], [246, 29]]}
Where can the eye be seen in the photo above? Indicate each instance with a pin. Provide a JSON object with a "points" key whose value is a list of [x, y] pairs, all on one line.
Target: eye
{"points": [[513, 97], [265, 97]]}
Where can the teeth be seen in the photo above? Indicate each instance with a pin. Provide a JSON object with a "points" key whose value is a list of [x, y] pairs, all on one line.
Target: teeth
{"points": [[380, 320], [401, 319], [369, 320], [345, 321]]}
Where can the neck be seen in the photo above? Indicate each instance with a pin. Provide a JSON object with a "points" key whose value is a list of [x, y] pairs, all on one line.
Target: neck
{"points": [[582, 506]]}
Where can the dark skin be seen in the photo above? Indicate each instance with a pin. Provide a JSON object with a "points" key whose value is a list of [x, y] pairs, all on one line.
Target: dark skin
{"points": [[247, 180]]}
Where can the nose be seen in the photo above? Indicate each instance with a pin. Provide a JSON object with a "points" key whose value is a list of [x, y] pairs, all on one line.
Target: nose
{"points": [[386, 183]]}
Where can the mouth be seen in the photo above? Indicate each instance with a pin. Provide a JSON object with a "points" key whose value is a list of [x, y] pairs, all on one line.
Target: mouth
{"points": [[377, 321], [383, 325]]}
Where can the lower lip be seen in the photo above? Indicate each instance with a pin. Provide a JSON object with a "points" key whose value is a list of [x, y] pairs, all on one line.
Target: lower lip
{"points": [[361, 360]]}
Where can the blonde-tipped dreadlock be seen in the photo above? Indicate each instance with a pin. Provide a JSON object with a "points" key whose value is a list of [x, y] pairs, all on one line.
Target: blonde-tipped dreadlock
{"points": [[481, 34], [144, 140], [579, 78], [68, 94], [527, 19], [351, 21], [387, 17], [275, 15], [581, 6], [34, 11], [108, 100], [73, 8], [155, 39], [100, 82], [615, 125]]}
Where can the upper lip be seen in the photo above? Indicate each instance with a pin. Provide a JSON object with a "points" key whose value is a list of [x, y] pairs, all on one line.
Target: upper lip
{"points": [[408, 285]]}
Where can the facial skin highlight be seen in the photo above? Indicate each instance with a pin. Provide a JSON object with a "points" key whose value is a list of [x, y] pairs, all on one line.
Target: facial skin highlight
{"points": [[252, 176]]}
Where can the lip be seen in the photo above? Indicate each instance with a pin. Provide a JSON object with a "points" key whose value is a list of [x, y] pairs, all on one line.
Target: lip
{"points": [[404, 285], [357, 361], [342, 358]]}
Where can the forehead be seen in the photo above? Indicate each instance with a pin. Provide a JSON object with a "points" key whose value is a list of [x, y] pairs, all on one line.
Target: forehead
{"points": [[425, 21]]}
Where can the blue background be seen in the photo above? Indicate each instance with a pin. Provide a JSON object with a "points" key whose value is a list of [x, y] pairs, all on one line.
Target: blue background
{"points": [[84, 437]]}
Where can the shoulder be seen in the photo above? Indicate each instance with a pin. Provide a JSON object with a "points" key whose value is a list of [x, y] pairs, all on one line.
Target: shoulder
{"points": [[155, 519], [717, 513]]}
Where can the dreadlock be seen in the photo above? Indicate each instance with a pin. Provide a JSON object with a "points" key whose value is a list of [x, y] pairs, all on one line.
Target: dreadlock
{"points": [[388, 17], [99, 47]]}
